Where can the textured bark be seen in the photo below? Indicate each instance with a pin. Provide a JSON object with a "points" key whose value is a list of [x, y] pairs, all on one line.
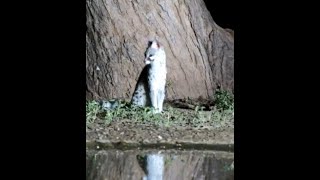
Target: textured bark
{"points": [[200, 54]]}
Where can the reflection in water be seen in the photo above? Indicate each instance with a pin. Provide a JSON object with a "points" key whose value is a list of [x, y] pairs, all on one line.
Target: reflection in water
{"points": [[155, 165], [159, 165]]}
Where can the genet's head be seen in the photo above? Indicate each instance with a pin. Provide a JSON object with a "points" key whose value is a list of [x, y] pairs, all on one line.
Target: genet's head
{"points": [[155, 53]]}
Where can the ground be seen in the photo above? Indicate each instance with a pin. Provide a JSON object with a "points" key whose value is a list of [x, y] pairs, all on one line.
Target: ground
{"points": [[183, 124]]}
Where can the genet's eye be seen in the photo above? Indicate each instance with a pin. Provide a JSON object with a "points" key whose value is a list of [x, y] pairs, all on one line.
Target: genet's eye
{"points": [[150, 57]]}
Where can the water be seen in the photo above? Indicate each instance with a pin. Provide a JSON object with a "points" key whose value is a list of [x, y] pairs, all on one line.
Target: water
{"points": [[159, 165], [154, 166]]}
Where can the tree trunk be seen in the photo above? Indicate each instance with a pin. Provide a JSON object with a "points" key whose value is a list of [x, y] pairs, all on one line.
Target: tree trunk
{"points": [[199, 52]]}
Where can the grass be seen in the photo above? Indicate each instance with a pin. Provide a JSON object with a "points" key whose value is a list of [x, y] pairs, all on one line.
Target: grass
{"points": [[92, 111], [224, 100], [220, 116]]}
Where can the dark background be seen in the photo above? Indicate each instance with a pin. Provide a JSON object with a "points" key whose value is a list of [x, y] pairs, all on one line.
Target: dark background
{"points": [[222, 13]]}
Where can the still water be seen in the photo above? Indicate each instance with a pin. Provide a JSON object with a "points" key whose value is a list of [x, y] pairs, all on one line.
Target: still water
{"points": [[159, 165]]}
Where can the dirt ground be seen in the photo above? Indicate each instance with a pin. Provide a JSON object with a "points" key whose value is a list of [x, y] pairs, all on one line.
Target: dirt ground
{"points": [[125, 132]]}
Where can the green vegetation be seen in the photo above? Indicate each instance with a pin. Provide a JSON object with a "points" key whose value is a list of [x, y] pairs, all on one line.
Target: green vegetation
{"points": [[224, 100], [220, 116]]}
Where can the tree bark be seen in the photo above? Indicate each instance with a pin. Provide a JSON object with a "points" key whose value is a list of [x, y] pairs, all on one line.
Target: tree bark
{"points": [[200, 54]]}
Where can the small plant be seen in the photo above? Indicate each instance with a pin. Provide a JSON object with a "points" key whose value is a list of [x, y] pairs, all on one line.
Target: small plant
{"points": [[199, 116], [224, 100], [121, 111], [172, 116], [168, 161], [92, 110], [169, 83]]}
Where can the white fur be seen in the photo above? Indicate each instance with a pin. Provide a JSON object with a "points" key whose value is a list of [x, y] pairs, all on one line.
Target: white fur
{"points": [[156, 81], [158, 73]]}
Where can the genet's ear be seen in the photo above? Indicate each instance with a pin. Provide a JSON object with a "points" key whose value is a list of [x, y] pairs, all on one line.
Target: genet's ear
{"points": [[155, 44]]}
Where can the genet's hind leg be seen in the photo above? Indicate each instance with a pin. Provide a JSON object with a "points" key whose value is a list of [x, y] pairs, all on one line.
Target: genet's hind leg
{"points": [[160, 97], [154, 100]]}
